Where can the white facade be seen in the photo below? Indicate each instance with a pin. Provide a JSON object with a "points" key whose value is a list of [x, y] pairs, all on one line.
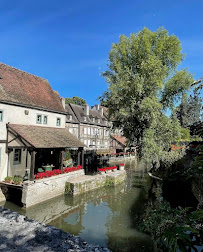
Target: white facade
{"points": [[25, 116]]}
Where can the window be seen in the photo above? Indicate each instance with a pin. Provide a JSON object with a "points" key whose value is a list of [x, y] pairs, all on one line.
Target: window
{"points": [[88, 131], [70, 117], [88, 144], [1, 115], [93, 142], [84, 118], [71, 130], [98, 120], [45, 120], [98, 143], [106, 132], [106, 144], [17, 156], [39, 119], [58, 121], [85, 131], [85, 141], [93, 119]]}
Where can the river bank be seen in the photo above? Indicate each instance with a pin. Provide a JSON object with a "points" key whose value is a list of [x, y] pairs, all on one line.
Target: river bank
{"points": [[18, 233]]}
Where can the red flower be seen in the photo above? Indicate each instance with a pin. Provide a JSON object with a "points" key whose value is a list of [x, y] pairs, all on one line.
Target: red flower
{"points": [[121, 164]]}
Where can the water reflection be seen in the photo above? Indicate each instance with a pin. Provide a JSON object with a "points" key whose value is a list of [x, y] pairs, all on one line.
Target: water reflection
{"points": [[106, 216]]}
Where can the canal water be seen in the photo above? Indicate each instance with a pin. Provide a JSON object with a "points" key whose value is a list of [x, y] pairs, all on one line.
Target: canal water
{"points": [[108, 216]]}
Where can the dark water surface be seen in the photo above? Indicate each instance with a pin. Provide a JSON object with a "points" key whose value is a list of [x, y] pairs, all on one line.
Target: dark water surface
{"points": [[107, 216]]}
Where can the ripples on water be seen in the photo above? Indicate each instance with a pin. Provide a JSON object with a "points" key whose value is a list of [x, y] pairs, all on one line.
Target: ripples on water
{"points": [[106, 216]]}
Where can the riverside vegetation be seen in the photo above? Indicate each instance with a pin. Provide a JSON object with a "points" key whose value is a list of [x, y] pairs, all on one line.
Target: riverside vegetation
{"points": [[144, 83]]}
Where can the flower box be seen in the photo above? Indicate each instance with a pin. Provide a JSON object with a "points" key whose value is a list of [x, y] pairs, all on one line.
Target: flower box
{"points": [[121, 167], [107, 169], [46, 174]]}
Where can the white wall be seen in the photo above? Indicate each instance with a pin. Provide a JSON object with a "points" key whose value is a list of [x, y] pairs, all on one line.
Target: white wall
{"points": [[17, 115]]}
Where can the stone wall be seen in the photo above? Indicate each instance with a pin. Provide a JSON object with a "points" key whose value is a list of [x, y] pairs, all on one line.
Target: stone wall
{"points": [[2, 197], [35, 192], [87, 183]]}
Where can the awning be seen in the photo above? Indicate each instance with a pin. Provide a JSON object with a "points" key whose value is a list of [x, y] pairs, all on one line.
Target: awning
{"points": [[43, 137]]}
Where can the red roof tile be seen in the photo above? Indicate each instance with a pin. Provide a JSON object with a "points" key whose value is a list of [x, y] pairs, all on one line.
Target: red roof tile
{"points": [[120, 139], [23, 88]]}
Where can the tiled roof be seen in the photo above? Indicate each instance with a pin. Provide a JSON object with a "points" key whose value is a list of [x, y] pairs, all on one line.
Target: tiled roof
{"points": [[70, 112], [23, 88], [46, 137], [120, 139], [79, 112]]}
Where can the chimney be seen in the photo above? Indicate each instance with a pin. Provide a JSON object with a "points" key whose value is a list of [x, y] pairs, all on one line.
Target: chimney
{"points": [[101, 111], [63, 102], [86, 108], [97, 107]]}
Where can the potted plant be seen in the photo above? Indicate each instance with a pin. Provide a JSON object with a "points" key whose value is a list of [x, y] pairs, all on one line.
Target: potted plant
{"points": [[121, 167]]}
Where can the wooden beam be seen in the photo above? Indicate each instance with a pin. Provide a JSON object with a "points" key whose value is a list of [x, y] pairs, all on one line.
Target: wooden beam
{"points": [[3, 141], [78, 161], [32, 166], [82, 153], [61, 160]]}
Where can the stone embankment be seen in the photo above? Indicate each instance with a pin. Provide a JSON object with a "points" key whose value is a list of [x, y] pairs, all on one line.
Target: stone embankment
{"points": [[19, 234]]}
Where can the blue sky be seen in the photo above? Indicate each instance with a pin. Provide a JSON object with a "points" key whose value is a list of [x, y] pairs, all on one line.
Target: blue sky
{"points": [[67, 42]]}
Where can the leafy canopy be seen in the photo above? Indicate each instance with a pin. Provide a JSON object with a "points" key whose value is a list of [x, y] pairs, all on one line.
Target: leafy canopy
{"points": [[143, 81], [75, 100]]}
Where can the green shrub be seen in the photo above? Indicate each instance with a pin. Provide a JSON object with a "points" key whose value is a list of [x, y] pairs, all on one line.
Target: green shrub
{"points": [[172, 228]]}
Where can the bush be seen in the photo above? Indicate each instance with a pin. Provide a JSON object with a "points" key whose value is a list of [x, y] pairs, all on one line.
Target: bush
{"points": [[173, 228]]}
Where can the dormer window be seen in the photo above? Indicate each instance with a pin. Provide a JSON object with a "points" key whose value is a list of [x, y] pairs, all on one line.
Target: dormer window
{"points": [[39, 119], [70, 117], [93, 119], [1, 115], [58, 121], [45, 120], [98, 120], [84, 118]]}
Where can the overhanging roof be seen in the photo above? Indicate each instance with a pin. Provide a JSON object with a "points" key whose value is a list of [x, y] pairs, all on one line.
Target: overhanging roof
{"points": [[45, 137]]}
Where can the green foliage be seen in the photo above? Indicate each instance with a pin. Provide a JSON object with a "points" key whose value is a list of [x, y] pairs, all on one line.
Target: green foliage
{"points": [[157, 139], [143, 81], [68, 188], [8, 179], [17, 180], [67, 155], [75, 100], [172, 228], [185, 135], [189, 111], [169, 158]]}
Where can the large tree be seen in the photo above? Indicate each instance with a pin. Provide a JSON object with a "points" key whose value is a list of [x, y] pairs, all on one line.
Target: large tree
{"points": [[76, 100], [143, 82], [189, 110]]}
